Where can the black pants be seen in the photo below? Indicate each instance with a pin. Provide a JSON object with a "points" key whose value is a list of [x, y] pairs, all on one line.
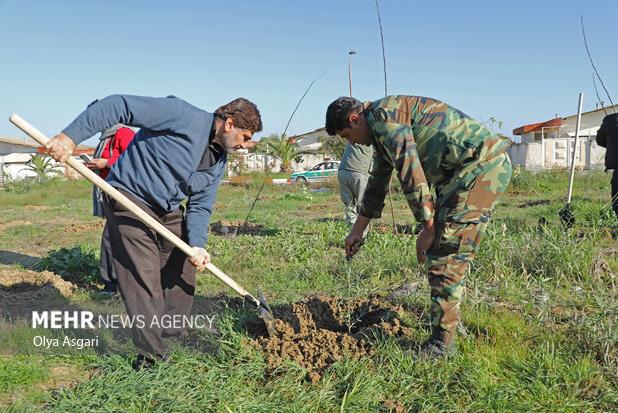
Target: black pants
{"points": [[106, 264], [615, 191], [156, 279]]}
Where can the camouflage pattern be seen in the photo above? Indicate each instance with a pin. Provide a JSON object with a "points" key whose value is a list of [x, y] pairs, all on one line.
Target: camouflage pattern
{"points": [[463, 210], [426, 141], [431, 144]]}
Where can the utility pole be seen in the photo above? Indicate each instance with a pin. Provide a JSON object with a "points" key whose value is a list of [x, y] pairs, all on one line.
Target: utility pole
{"points": [[350, 53]]}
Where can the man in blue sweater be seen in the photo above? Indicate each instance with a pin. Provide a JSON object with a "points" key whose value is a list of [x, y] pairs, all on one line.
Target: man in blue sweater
{"points": [[179, 153]]}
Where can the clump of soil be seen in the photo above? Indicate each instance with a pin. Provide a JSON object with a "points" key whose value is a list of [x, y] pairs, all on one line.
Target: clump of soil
{"points": [[534, 202], [90, 226], [322, 330], [231, 228], [383, 228], [394, 406], [27, 285]]}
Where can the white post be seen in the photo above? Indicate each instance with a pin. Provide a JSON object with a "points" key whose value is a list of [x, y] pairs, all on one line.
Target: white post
{"points": [[572, 174], [542, 148]]}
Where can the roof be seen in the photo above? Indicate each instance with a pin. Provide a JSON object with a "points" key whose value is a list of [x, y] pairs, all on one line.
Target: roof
{"points": [[22, 142], [297, 137], [534, 127], [16, 141], [607, 109], [556, 122]]}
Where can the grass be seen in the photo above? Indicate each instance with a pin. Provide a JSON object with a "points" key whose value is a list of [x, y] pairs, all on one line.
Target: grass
{"points": [[540, 310]]}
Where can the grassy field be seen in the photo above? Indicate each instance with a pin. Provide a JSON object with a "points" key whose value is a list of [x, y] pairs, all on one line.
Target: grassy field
{"points": [[540, 309]]}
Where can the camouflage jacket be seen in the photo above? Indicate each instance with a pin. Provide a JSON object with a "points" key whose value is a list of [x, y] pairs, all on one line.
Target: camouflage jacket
{"points": [[426, 141]]}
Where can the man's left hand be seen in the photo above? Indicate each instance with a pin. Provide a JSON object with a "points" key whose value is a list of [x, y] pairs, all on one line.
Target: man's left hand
{"points": [[60, 147], [424, 241]]}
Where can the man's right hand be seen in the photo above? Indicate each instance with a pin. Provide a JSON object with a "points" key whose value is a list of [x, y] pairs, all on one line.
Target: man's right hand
{"points": [[200, 259], [60, 147], [353, 243]]}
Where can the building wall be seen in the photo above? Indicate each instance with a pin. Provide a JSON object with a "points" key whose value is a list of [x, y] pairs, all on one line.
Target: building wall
{"points": [[7, 148], [589, 155], [589, 120], [260, 162]]}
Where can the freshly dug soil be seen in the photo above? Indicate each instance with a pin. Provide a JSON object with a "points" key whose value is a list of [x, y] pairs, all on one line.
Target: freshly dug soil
{"points": [[90, 226], [534, 202], [384, 228], [231, 228], [22, 292], [322, 330], [16, 285]]}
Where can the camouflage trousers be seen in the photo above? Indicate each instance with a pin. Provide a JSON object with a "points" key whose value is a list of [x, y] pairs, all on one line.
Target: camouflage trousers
{"points": [[464, 207]]}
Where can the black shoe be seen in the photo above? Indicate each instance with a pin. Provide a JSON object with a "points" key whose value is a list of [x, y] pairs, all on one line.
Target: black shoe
{"points": [[441, 344], [145, 363]]}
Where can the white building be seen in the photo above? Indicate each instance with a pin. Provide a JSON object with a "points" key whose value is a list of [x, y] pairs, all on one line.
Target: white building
{"points": [[15, 154], [310, 141], [545, 145]]}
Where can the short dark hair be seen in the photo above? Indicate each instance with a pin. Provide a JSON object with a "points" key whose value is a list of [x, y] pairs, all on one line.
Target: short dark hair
{"points": [[338, 112], [244, 112]]}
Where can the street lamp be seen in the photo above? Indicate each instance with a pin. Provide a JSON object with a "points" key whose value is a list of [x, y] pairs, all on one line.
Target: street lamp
{"points": [[350, 53]]}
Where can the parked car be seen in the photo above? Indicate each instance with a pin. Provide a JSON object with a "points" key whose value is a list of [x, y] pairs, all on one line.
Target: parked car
{"points": [[320, 172]]}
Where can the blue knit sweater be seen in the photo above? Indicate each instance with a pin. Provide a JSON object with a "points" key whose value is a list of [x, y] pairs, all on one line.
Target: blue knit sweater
{"points": [[161, 165]]}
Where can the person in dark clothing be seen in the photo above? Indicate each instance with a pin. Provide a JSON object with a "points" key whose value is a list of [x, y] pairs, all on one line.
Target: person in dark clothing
{"points": [[112, 143], [607, 137], [179, 154]]}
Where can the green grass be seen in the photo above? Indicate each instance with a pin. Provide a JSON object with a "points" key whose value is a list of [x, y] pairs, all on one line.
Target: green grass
{"points": [[540, 310]]}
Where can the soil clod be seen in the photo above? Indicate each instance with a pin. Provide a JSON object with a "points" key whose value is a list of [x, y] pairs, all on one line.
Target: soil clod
{"points": [[230, 228], [322, 330]]}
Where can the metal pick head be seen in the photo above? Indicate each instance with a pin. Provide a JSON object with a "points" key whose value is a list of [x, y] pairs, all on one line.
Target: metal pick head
{"points": [[263, 301], [567, 216], [266, 315]]}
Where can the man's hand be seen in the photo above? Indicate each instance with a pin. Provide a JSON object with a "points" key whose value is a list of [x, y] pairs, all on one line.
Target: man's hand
{"points": [[60, 147], [353, 243], [200, 259], [98, 163], [425, 240]]}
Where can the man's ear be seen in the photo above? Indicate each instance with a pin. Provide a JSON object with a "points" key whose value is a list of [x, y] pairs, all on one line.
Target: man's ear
{"points": [[229, 124], [353, 118]]}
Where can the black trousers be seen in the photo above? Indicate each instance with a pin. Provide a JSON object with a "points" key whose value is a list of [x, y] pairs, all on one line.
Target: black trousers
{"points": [[615, 191], [106, 264], [156, 279]]}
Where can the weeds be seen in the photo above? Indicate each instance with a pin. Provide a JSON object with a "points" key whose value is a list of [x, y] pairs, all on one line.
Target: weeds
{"points": [[540, 310]]}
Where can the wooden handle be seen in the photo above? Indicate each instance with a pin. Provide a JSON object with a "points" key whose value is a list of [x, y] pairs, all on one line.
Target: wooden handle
{"points": [[127, 203]]}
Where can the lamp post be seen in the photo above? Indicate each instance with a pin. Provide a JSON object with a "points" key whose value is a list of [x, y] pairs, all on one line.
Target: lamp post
{"points": [[350, 53]]}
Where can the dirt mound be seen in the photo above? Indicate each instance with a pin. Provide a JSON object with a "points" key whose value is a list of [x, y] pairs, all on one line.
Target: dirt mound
{"points": [[232, 228], [384, 228], [90, 226], [322, 330], [31, 286], [534, 202]]}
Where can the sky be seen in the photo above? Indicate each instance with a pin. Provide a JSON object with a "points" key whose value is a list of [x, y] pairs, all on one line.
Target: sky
{"points": [[518, 62]]}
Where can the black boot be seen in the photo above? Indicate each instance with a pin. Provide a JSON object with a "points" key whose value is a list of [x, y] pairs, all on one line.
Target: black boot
{"points": [[144, 362], [441, 344]]}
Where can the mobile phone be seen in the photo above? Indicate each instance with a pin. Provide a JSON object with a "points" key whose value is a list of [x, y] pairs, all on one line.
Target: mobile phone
{"points": [[85, 157]]}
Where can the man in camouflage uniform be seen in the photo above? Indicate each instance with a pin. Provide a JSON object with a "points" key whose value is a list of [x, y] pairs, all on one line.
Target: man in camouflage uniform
{"points": [[429, 143]]}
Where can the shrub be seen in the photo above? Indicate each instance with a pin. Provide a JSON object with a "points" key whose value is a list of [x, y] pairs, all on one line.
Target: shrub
{"points": [[79, 265]]}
